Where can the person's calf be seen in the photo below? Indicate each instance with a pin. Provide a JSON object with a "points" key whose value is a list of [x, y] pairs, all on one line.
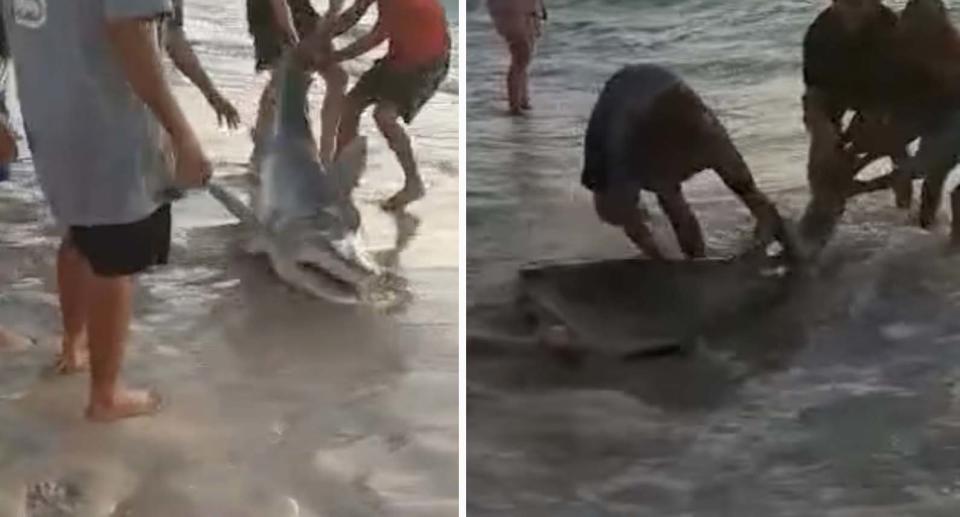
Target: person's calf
{"points": [[685, 224], [335, 79], [930, 197], [73, 277], [625, 212], [349, 125], [517, 77], [387, 119], [955, 218], [108, 324]]}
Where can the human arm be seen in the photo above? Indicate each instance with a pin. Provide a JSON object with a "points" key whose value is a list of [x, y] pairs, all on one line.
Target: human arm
{"points": [[333, 12], [350, 17], [284, 19], [185, 59], [133, 40], [362, 45]]}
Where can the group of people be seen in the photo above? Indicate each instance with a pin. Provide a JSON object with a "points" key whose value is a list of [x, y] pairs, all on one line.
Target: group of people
{"points": [[875, 81], [108, 136]]}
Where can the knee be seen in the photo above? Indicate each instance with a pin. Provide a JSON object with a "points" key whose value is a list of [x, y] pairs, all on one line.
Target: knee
{"points": [[386, 119], [336, 78], [616, 210], [352, 109], [520, 53]]}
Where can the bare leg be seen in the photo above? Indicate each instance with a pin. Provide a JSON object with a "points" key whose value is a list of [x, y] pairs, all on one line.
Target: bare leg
{"points": [[73, 278], [623, 211], [349, 127], [955, 218], [684, 223], [265, 109], [108, 323], [336, 80], [387, 118], [12, 341], [902, 183], [930, 196], [517, 75]]}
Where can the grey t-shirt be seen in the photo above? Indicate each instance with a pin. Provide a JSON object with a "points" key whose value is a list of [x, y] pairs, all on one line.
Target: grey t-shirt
{"points": [[100, 154]]}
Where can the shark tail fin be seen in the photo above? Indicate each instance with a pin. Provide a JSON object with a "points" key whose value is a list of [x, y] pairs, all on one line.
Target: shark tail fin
{"points": [[233, 204], [350, 165]]}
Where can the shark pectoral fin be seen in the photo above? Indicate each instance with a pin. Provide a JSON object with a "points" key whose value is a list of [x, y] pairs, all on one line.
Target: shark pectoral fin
{"points": [[350, 165]]}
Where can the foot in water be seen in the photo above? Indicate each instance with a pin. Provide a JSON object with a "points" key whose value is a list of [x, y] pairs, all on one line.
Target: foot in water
{"points": [[412, 190], [78, 361], [73, 357], [13, 341], [125, 404]]}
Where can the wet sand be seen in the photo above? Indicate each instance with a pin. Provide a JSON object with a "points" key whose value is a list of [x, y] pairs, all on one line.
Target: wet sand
{"points": [[276, 404]]}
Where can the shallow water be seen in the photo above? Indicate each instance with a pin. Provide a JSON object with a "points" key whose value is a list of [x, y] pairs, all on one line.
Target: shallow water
{"points": [[842, 401], [277, 404]]}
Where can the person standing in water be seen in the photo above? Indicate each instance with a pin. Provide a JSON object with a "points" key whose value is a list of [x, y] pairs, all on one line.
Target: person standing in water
{"points": [[8, 139], [278, 25], [400, 83], [849, 65], [519, 22], [650, 131], [99, 118], [929, 104]]}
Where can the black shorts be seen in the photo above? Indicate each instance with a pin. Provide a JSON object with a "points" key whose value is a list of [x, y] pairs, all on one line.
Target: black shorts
{"points": [[125, 249], [408, 89]]}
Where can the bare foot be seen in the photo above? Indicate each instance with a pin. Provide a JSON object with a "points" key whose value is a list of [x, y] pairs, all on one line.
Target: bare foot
{"points": [[74, 356], [412, 191], [67, 364], [12, 341], [126, 404]]}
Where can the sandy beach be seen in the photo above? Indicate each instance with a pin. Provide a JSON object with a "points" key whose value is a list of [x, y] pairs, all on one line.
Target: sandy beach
{"points": [[276, 404]]}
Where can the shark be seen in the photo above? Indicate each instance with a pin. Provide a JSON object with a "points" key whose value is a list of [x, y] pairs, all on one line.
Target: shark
{"points": [[302, 213]]}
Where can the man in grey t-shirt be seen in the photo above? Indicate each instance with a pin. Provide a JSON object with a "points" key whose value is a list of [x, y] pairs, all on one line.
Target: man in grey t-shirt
{"points": [[97, 112]]}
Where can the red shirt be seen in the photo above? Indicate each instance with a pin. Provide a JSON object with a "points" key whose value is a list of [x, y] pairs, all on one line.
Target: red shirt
{"points": [[416, 29]]}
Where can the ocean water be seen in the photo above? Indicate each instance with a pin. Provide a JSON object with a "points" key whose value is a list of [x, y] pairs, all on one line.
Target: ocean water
{"points": [[842, 401], [277, 404]]}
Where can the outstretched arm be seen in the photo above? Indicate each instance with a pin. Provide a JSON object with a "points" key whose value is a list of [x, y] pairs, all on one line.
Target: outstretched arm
{"points": [[284, 19], [729, 164], [134, 42], [351, 16], [333, 12], [184, 58], [362, 45]]}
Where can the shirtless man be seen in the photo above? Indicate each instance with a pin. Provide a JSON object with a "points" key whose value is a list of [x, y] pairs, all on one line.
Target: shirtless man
{"points": [[650, 131], [519, 23], [400, 83], [277, 25]]}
